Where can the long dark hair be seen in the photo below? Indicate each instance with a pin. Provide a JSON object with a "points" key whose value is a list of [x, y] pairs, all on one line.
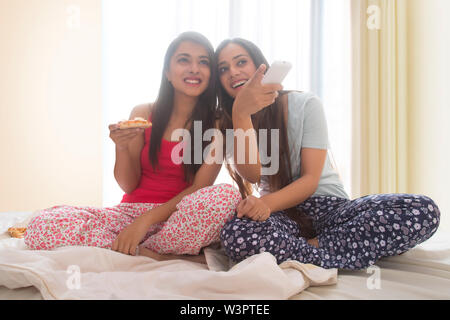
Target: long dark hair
{"points": [[204, 110], [271, 117]]}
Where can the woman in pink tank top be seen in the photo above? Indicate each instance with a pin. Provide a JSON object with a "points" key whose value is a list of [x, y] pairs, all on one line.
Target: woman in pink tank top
{"points": [[170, 208]]}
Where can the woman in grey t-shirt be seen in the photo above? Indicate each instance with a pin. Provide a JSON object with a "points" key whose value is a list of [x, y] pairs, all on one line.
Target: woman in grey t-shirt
{"points": [[303, 212]]}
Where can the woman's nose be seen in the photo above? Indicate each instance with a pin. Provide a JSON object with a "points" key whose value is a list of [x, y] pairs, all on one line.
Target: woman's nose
{"points": [[234, 71], [195, 68]]}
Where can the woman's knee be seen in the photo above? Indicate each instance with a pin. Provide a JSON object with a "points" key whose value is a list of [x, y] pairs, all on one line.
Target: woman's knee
{"points": [[215, 193], [420, 216], [39, 234], [419, 206], [233, 240], [429, 212], [243, 238], [203, 214], [226, 193], [230, 230], [219, 200]]}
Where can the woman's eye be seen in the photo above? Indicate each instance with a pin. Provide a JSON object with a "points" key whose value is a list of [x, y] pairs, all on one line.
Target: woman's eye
{"points": [[183, 60], [222, 70], [241, 62], [205, 62]]}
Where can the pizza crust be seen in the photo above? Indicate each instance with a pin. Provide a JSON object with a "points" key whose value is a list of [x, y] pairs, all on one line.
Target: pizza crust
{"points": [[136, 123], [17, 232]]}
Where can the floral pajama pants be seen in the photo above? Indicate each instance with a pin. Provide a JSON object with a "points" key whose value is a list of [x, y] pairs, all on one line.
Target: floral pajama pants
{"points": [[195, 224], [352, 234]]}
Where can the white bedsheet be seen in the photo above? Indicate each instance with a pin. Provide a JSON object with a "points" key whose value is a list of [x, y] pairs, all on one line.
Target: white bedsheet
{"points": [[421, 273], [95, 273]]}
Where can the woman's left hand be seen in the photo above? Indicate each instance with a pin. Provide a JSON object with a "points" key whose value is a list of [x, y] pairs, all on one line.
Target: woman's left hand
{"points": [[130, 238], [253, 208]]}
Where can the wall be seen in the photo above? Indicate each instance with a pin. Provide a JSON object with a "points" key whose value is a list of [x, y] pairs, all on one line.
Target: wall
{"points": [[429, 101], [50, 103]]}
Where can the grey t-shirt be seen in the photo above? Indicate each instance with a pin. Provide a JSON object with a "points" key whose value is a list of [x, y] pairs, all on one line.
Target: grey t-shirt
{"points": [[307, 128]]}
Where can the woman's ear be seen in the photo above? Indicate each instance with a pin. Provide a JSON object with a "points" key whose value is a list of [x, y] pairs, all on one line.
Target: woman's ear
{"points": [[167, 76]]}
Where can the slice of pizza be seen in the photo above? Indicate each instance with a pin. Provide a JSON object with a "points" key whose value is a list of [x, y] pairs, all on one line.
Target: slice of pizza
{"points": [[17, 232], [135, 123]]}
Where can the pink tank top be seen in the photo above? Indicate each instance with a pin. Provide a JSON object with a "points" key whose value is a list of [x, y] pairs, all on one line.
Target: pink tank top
{"points": [[163, 184]]}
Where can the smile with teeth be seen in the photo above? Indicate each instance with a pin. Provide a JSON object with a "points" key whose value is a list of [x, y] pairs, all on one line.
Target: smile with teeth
{"points": [[192, 81], [238, 84]]}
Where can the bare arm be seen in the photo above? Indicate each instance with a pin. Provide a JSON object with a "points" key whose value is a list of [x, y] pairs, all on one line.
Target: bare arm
{"points": [[253, 98], [247, 167], [313, 161], [127, 169]]}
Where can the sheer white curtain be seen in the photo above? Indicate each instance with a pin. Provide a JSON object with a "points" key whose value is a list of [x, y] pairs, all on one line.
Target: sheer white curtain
{"points": [[335, 82], [314, 38]]}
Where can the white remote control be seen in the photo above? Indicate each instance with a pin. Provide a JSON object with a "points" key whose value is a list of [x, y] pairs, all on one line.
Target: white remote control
{"points": [[277, 72]]}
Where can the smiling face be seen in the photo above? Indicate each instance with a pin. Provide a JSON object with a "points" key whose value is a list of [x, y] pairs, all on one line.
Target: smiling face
{"points": [[236, 67], [189, 71]]}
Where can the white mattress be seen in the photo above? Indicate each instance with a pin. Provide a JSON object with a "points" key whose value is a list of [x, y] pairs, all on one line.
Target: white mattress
{"points": [[8, 219], [421, 273]]}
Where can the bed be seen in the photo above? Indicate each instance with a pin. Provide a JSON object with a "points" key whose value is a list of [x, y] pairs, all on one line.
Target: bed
{"points": [[82, 272]]}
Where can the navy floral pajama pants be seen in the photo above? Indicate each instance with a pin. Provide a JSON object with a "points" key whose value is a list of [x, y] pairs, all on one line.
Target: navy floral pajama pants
{"points": [[352, 234]]}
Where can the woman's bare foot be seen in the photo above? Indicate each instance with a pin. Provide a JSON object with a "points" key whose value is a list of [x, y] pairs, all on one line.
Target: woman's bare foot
{"points": [[314, 242], [165, 257]]}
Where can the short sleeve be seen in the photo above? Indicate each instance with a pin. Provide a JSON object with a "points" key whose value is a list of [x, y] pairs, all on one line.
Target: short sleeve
{"points": [[315, 130]]}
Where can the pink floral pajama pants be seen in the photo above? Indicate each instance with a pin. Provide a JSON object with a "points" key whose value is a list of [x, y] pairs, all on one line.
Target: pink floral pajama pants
{"points": [[196, 224]]}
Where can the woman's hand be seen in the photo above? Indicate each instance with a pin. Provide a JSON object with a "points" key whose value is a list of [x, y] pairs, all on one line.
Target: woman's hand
{"points": [[253, 208], [130, 237], [122, 138], [255, 96]]}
